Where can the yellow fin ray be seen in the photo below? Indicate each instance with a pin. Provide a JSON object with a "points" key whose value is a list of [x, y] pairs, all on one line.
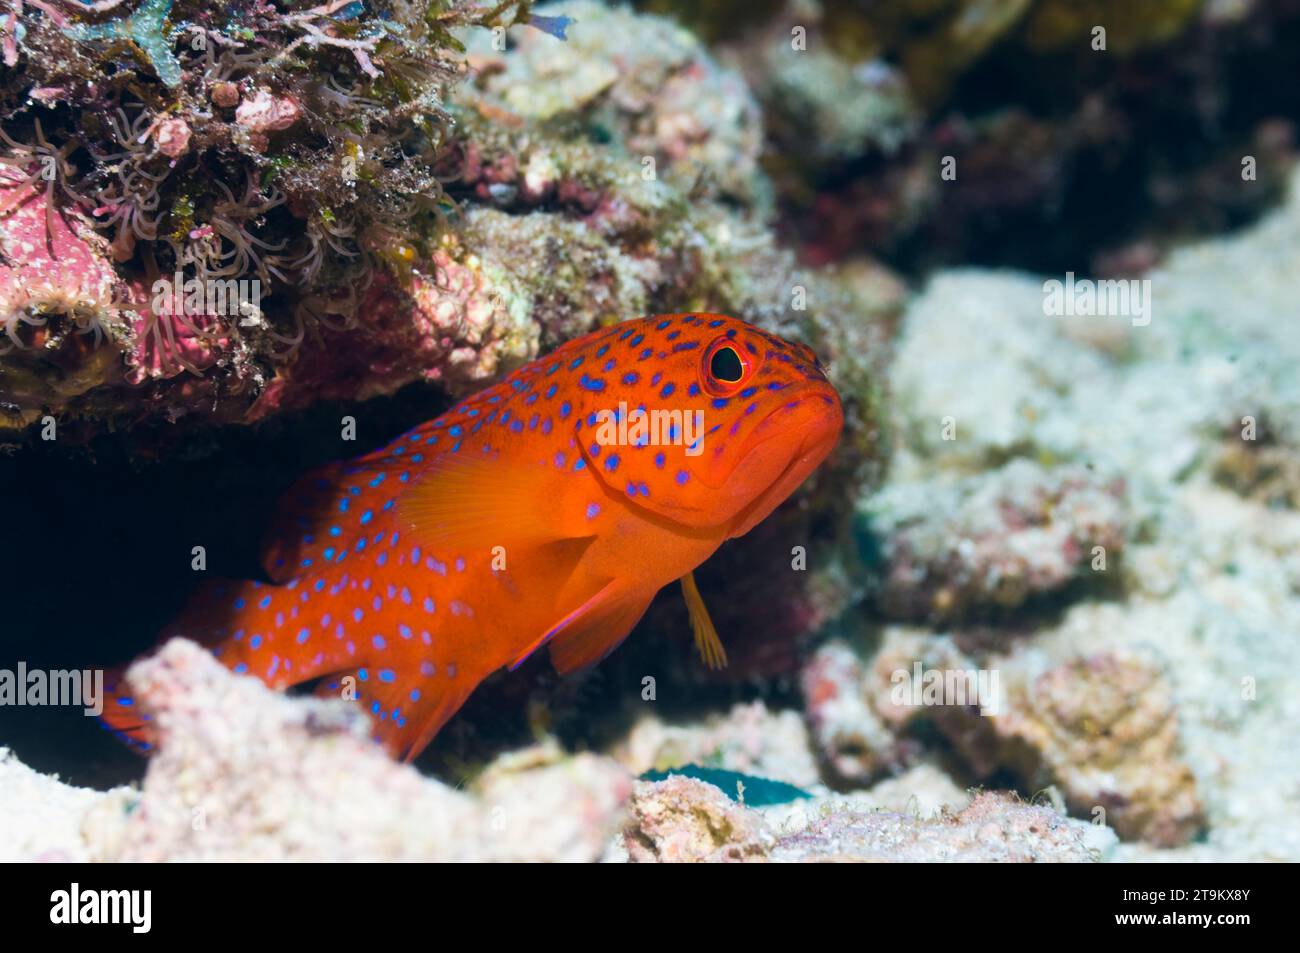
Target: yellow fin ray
{"points": [[710, 647]]}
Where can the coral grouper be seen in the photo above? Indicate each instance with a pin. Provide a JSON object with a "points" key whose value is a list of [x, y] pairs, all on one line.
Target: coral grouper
{"points": [[546, 510]]}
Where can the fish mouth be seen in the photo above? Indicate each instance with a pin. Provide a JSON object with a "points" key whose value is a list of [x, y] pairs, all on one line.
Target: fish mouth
{"points": [[819, 420]]}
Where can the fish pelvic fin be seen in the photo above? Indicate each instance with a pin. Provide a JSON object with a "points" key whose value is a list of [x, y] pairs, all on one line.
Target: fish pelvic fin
{"points": [[592, 631], [707, 642]]}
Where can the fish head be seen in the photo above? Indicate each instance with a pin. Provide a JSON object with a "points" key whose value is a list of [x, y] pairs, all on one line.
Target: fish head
{"points": [[716, 424]]}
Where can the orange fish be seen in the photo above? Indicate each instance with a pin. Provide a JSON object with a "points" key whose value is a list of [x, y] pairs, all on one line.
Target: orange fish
{"points": [[546, 510]]}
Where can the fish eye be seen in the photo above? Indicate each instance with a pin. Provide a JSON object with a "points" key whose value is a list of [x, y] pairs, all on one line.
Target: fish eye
{"points": [[725, 365]]}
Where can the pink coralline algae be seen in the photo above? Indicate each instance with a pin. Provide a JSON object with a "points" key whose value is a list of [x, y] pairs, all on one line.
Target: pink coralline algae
{"points": [[265, 112], [57, 294], [163, 345], [173, 137], [63, 303], [451, 323], [53, 261]]}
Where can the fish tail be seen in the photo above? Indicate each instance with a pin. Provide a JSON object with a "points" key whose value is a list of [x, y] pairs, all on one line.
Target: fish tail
{"points": [[299, 632], [250, 627]]}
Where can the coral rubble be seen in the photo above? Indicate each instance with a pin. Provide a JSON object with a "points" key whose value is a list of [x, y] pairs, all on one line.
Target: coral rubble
{"points": [[681, 820], [243, 774]]}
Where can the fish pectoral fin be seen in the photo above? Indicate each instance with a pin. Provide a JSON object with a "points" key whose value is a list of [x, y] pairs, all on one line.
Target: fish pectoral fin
{"points": [[593, 630], [710, 647]]}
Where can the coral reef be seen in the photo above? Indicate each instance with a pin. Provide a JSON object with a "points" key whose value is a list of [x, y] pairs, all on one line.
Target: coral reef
{"points": [[644, 82], [512, 196], [284, 158], [497, 201], [40, 817], [1104, 728], [839, 109], [994, 828], [682, 820]]}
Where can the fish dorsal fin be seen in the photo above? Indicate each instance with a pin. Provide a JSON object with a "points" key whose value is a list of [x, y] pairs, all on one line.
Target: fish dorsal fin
{"points": [[303, 512], [478, 501], [593, 630], [710, 647]]}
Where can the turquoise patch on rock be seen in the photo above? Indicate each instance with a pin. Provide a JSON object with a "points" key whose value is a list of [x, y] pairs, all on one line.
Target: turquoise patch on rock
{"points": [[759, 792]]}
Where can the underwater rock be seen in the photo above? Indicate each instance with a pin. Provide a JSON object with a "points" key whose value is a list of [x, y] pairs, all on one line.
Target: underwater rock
{"points": [[994, 828], [571, 277], [57, 288], [864, 103], [857, 717], [265, 160], [684, 820], [1262, 469], [924, 791], [458, 322], [1104, 728], [836, 108], [750, 739], [852, 739], [641, 81], [953, 548], [244, 773], [1209, 580], [1205, 358], [40, 817]]}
